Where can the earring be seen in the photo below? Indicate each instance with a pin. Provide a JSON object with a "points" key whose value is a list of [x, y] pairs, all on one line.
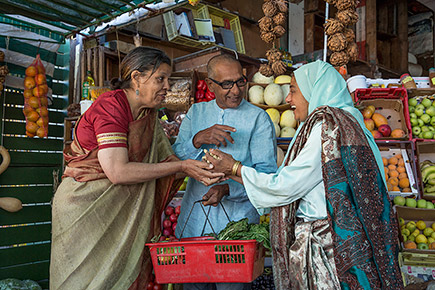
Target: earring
{"points": [[137, 92]]}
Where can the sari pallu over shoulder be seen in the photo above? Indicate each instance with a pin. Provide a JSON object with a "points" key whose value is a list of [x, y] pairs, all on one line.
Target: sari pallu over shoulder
{"points": [[361, 220], [100, 229]]}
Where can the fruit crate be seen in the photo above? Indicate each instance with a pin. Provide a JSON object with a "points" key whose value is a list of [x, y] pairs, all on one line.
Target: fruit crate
{"points": [[390, 149], [204, 260], [415, 214], [425, 151], [420, 95], [392, 110], [417, 268]]}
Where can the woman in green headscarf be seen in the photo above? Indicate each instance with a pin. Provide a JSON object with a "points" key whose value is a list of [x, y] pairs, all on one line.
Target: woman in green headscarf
{"points": [[332, 225]]}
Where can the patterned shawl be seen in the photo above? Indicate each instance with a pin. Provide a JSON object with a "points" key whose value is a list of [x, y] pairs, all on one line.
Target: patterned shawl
{"points": [[363, 225]]}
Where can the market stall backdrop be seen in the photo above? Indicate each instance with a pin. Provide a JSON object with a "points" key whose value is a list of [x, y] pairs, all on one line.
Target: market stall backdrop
{"points": [[28, 28]]}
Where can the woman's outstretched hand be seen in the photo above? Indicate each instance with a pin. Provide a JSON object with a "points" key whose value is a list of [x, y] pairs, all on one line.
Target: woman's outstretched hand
{"points": [[221, 161], [201, 171]]}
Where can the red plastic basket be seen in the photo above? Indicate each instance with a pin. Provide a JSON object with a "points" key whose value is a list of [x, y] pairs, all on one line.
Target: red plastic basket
{"points": [[207, 261]]}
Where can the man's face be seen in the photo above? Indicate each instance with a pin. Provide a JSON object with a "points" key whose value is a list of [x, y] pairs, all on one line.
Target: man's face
{"points": [[227, 71]]}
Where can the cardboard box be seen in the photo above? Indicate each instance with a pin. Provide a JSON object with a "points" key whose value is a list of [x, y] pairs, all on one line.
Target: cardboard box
{"points": [[416, 274], [416, 214], [406, 149], [425, 151], [393, 110], [421, 94]]}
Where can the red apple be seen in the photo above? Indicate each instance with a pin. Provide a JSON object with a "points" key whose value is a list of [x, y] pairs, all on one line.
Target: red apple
{"points": [[167, 224], [167, 232], [174, 225], [178, 210], [162, 238], [370, 124], [385, 130], [169, 210], [376, 134], [173, 218]]}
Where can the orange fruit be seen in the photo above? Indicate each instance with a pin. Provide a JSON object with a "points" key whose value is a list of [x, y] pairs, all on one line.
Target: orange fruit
{"points": [[410, 245], [401, 169], [392, 167], [44, 101], [393, 161], [432, 246], [398, 156], [29, 82], [404, 182], [28, 93], [385, 161], [396, 188], [386, 171], [45, 88], [31, 127], [32, 116], [31, 71], [42, 111], [401, 162], [31, 135], [393, 173], [33, 102], [394, 181], [40, 79], [389, 186], [42, 122], [27, 109], [407, 189], [402, 175], [38, 91], [41, 132]]}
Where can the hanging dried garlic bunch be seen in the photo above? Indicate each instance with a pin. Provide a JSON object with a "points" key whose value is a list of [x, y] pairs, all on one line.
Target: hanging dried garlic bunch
{"points": [[333, 26], [273, 55], [350, 35], [347, 17], [2, 55], [270, 9], [279, 31], [265, 23], [267, 37], [266, 70], [345, 4], [339, 58], [352, 51], [280, 19], [279, 67], [337, 42], [282, 5]]}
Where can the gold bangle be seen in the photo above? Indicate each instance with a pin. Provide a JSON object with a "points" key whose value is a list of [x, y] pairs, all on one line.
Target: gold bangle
{"points": [[235, 168]]}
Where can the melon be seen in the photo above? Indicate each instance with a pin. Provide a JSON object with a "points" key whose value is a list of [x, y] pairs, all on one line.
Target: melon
{"points": [[261, 79], [273, 95]]}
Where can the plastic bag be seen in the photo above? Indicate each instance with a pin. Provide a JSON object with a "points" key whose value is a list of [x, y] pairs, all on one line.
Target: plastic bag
{"points": [[35, 100]]}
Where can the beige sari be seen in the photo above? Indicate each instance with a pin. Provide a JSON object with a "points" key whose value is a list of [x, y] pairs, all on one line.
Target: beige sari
{"points": [[100, 229]]}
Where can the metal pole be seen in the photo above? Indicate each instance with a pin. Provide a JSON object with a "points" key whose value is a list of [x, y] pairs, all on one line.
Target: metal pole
{"points": [[325, 37]]}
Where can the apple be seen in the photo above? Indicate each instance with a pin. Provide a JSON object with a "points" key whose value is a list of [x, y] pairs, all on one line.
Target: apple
{"points": [[376, 134], [370, 124], [422, 246], [421, 203], [424, 129], [174, 225], [427, 135], [399, 200], [413, 102], [431, 128], [430, 111], [420, 122], [419, 111], [411, 109], [425, 118], [169, 210], [173, 218], [413, 116], [416, 131], [420, 106], [432, 121], [162, 238], [385, 130], [410, 202], [426, 102], [430, 205], [414, 122], [167, 232], [167, 224], [178, 210]]}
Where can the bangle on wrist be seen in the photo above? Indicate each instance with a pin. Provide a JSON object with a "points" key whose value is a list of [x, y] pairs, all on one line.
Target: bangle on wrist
{"points": [[235, 168]]}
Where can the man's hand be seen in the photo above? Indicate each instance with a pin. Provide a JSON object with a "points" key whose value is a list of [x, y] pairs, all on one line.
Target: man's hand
{"points": [[216, 134], [215, 194]]}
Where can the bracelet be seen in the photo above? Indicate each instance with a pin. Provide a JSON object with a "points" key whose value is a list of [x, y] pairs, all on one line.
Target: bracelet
{"points": [[235, 168]]}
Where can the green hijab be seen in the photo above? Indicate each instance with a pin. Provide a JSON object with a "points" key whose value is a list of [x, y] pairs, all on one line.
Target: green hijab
{"points": [[322, 85]]}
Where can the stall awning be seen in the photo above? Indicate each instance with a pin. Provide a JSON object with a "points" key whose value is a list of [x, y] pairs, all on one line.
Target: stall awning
{"points": [[66, 17]]}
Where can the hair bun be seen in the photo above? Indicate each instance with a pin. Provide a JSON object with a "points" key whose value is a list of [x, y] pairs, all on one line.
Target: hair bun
{"points": [[115, 84]]}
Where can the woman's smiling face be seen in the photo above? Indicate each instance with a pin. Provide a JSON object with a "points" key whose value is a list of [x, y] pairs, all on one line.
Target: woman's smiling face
{"points": [[153, 87], [296, 99]]}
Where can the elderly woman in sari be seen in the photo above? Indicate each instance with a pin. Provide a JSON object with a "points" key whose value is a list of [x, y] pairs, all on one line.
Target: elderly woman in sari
{"points": [[119, 177], [332, 225]]}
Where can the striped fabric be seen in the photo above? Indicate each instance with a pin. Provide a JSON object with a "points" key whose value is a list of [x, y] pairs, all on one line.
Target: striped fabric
{"points": [[111, 139]]}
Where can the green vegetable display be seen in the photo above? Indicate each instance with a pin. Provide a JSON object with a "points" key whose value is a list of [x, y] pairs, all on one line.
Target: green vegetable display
{"points": [[242, 230], [15, 284]]}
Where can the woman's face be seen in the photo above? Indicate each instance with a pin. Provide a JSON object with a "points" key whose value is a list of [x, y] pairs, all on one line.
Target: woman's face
{"points": [[296, 99], [153, 88]]}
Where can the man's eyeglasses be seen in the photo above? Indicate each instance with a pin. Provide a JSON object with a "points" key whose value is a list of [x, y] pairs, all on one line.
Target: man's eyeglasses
{"points": [[228, 85]]}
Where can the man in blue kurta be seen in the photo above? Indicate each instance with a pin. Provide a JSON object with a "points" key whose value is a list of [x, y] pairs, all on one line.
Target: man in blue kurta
{"points": [[236, 127]]}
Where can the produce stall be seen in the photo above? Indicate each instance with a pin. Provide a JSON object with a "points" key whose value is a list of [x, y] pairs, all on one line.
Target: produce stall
{"points": [[47, 49]]}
